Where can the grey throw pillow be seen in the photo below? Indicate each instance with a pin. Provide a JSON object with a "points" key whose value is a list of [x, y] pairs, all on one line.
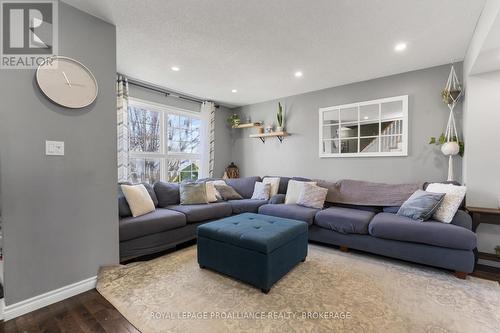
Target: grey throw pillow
{"points": [[261, 191], [421, 205], [312, 196], [227, 192], [193, 193]]}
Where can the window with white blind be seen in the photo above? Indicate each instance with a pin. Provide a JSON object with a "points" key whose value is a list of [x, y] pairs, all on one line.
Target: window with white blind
{"points": [[164, 143], [371, 128]]}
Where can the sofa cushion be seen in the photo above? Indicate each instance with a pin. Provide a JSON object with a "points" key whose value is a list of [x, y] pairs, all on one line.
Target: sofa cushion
{"points": [[344, 220], [283, 186], [246, 205], [123, 207], [159, 220], [167, 193], [193, 193], [198, 213], [244, 186], [290, 211], [391, 226]]}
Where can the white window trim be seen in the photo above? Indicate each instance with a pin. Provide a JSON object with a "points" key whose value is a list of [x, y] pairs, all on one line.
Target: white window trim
{"points": [[404, 150], [164, 154]]}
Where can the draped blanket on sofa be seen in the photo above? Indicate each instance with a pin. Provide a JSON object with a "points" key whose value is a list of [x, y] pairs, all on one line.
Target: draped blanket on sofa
{"points": [[355, 192]]}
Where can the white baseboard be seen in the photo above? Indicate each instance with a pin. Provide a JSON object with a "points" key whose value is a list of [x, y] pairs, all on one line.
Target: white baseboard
{"points": [[18, 309], [2, 306]]}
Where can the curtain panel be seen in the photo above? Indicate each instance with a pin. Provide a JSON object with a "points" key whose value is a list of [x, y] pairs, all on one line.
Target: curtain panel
{"points": [[208, 114], [122, 127]]}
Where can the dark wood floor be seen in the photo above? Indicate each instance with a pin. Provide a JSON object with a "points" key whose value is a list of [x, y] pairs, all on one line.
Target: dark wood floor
{"points": [[90, 312], [85, 313]]}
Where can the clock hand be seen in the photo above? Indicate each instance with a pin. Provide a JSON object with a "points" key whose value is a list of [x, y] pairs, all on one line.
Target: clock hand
{"points": [[66, 78]]}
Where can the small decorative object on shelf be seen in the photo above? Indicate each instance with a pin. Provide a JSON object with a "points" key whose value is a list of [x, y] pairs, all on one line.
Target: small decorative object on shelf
{"points": [[233, 171], [233, 120], [269, 129], [450, 142], [248, 125], [279, 117], [497, 250], [261, 130]]}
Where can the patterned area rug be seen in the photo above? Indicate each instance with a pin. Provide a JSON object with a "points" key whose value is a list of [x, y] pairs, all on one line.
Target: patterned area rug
{"points": [[331, 291]]}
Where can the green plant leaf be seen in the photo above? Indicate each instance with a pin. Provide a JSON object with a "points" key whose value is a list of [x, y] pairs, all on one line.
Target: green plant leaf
{"points": [[432, 141]]}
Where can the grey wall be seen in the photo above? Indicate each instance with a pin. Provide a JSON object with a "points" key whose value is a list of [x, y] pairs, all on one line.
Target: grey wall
{"points": [[298, 154], [60, 216], [222, 131]]}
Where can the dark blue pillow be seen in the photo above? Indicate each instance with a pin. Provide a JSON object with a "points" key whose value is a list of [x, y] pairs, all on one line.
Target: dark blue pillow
{"points": [[421, 205]]}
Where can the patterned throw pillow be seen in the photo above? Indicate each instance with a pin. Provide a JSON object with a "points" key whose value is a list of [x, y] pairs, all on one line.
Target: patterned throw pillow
{"points": [[227, 192], [211, 192], [454, 195], [312, 196], [274, 182], [261, 191], [193, 193]]}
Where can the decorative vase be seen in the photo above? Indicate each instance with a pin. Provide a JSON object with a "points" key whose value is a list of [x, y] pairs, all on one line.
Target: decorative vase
{"points": [[261, 130], [233, 171], [279, 129]]}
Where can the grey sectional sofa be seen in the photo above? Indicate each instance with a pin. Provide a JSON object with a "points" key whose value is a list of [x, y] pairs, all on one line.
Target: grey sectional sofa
{"points": [[374, 229]]}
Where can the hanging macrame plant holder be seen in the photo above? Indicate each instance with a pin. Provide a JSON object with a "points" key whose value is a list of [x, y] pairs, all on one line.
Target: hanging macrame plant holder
{"points": [[451, 94]]}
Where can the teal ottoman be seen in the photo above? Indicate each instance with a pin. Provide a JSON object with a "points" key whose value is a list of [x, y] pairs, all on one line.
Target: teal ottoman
{"points": [[256, 249]]}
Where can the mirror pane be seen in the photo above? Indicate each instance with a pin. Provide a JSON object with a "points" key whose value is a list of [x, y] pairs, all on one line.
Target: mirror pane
{"points": [[368, 145], [331, 117], [349, 146], [369, 113], [331, 146], [349, 115], [392, 110], [331, 132], [392, 144]]}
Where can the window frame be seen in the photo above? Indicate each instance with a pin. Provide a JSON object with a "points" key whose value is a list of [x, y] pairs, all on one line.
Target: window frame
{"points": [[359, 122], [163, 154]]}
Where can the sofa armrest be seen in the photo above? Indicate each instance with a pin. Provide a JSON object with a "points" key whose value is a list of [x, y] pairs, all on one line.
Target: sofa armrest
{"points": [[277, 199], [462, 219]]}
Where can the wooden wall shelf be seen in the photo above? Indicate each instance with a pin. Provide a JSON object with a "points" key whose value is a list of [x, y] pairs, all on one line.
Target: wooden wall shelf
{"points": [[263, 136], [488, 256], [249, 125]]}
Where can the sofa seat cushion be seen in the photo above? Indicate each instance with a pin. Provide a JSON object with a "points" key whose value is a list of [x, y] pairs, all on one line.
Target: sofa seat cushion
{"points": [[246, 205], [157, 221], [255, 232], [391, 226], [204, 212], [292, 211], [344, 220]]}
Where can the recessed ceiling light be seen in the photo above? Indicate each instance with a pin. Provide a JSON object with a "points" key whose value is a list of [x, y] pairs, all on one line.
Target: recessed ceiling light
{"points": [[400, 47], [234, 91], [365, 117], [298, 74], [175, 68]]}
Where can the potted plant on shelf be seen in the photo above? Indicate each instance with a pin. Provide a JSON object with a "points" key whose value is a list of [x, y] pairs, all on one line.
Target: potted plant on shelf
{"points": [[497, 250], [279, 117], [233, 120]]}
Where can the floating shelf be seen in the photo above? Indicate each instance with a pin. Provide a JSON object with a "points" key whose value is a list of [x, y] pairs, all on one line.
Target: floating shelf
{"points": [[263, 136], [249, 125]]}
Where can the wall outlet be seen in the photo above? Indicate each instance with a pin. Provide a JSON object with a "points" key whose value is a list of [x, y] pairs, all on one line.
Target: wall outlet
{"points": [[54, 148]]}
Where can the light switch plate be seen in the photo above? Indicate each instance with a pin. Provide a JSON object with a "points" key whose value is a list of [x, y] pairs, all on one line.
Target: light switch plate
{"points": [[54, 148]]}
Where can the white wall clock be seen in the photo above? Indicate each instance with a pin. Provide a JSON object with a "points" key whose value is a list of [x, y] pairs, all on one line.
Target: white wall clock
{"points": [[67, 82]]}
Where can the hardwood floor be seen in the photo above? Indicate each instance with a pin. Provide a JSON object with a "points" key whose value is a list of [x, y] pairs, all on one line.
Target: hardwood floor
{"points": [[85, 313], [90, 312]]}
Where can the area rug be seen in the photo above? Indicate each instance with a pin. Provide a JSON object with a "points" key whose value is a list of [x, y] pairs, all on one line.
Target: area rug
{"points": [[331, 292]]}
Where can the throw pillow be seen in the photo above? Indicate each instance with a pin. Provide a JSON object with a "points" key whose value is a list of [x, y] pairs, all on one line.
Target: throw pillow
{"points": [[193, 193], [454, 195], [275, 184], [293, 191], [421, 205], [227, 192], [138, 199], [211, 192], [261, 191], [312, 196]]}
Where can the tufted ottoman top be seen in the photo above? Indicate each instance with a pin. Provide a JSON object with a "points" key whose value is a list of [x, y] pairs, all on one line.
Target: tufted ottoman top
{"points": [[256, 232]]}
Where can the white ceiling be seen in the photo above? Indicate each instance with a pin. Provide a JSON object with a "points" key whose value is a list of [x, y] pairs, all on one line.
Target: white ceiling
{"points": [[256, 46]]}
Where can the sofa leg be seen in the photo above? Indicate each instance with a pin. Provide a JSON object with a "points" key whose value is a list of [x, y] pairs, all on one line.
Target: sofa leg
{"points": [[344, 248], [202, 267], [265, 291], [303, 260], [460, 275]]}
